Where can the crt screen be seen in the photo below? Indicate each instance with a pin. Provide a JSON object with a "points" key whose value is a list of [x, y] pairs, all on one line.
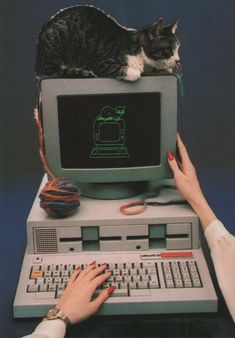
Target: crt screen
{"points": [[109, 130]]}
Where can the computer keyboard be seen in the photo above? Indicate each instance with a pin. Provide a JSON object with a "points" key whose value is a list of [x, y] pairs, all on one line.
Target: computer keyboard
{"points": [[148, 282], [129, 279]]}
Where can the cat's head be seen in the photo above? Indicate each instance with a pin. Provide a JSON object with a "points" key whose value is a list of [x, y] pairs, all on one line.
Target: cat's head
{"points": [[161, 45]]}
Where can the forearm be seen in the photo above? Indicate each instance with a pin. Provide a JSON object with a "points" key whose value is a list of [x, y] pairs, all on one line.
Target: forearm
{"points": [[203, 210]]}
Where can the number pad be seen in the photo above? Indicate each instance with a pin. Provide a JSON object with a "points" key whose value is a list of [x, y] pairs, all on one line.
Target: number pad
{"points": [[181, 274]]}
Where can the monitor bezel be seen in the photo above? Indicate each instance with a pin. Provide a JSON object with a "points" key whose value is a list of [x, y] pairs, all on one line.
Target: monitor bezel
{"points": [[51, 88]]}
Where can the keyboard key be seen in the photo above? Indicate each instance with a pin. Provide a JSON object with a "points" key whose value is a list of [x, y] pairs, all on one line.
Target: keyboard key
{"points": [[48, 280], [177, 275], [36, 268], [143, 285], [61, 287], [116, 272], [70, 267], [136, 279], [153, 285], [142, 272], [153, 278], [179, 283], [140, 292], [105, 285], [40, 281], [144, 278], [56, 273], [52, 267], [32, 288], [59, 293], [43, 288], [64, 274], [57, 280], [123, 285], [168, 275], [132, 285], [128, 265], [127, 279], [65, 279], [137, 265], [196, 283], [169, 283], [111, 266], [120, 266], [151, 271], [36, 274], [187, 283], [120, 293], [52, 287], [47, 274], [193, 268]]}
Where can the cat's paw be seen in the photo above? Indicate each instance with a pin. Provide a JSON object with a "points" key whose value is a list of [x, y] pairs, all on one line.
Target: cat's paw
{"points": [[132, 74]]}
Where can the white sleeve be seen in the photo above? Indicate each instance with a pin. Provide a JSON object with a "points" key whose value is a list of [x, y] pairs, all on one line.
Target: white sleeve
{"points": [[222, 246], [49, 329]]}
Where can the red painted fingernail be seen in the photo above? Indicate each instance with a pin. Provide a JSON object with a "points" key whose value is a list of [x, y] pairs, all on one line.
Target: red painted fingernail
{"points": [[110, 290], [78, 268], [103, 264], [92, 263], [170, 156]]}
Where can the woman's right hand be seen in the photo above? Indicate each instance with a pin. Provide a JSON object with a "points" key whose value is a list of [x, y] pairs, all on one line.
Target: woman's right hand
{"points": [[76, 301]]}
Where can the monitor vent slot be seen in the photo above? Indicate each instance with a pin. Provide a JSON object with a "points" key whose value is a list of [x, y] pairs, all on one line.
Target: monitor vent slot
{"points": [[45, 240]]}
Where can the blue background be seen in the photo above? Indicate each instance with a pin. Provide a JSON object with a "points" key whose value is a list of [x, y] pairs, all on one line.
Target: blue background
{"points": [[206, 114]]}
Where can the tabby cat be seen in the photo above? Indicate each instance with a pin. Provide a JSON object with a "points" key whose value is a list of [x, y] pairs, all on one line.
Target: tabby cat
{"points": [[83, 41]]}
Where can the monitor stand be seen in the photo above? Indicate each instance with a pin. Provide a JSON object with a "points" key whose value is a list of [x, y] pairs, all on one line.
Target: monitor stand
{"points": [[112, 191]]}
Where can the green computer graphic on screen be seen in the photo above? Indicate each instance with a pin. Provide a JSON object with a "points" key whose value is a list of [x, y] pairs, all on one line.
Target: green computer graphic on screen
{"points": [[109, 133]]}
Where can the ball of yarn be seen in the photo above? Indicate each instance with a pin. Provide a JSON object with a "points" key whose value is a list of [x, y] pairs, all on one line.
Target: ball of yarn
{"points": [[60, 197]]}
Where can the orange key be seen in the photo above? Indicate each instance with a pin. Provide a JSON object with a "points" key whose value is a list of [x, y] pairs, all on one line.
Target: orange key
{"points": [[36, 274]]}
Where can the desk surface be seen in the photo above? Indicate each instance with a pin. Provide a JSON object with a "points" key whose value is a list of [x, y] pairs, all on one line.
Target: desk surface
{"points": [[16, 202]]}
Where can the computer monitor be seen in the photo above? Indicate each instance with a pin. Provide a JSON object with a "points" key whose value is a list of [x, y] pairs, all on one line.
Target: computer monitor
{"points": [[108, 136]]}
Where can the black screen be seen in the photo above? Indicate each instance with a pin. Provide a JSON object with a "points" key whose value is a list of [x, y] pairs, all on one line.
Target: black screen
{"points": [[109, 130]]}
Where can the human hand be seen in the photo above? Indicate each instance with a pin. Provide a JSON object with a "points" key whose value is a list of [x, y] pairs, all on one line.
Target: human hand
{"points": [[185, 174], [76, 301], [188, 185]]}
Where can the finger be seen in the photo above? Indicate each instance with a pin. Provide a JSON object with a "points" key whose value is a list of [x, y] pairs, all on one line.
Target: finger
{"points": [[95, 272], [173, 164], [183, 151], [74, 276], [99, 300], [97, 281], [84, 272]]}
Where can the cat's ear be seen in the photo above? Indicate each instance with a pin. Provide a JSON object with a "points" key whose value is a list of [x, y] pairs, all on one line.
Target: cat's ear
{"points": [[173, 26], [150, 32], [155, 28]]}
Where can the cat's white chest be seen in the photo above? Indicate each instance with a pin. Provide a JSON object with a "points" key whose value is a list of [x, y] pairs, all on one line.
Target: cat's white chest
{"points": [[135, 67]]}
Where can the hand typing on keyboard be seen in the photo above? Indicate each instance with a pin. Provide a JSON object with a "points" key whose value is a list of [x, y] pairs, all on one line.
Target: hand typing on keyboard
{"points": [[76, 301]]}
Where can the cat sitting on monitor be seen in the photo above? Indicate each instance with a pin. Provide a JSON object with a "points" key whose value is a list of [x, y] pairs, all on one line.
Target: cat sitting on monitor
{"points": [[83, 41]]}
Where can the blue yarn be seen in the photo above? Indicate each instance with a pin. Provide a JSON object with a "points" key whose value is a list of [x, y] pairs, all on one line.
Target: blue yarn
{"points": [[180, 82], [60, 198]]}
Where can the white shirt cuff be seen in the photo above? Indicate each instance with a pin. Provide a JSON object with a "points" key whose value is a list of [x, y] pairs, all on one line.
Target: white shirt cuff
{"points": [[55, 328], [214, 231]]}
